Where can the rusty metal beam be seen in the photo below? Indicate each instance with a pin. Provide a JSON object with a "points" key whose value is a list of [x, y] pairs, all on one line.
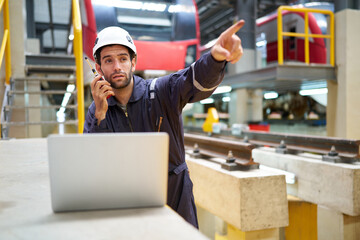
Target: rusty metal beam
{"points": [[215, 147], [348, 149], [345, 147]]}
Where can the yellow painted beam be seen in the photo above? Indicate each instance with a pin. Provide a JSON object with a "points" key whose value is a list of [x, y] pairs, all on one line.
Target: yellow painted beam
{"points": [[302, 220], [307, 49], [296, 9], [332, 42], [280, 37], [292, 34], [7, 49], [3, 46]]}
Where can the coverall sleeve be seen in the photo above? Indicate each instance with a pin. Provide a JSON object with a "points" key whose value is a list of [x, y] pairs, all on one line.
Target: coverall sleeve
{"points": [[91, 123], [194, 83]]}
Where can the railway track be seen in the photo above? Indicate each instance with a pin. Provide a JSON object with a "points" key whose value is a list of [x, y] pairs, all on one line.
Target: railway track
{"points": [[237, 154], [337, 150]]}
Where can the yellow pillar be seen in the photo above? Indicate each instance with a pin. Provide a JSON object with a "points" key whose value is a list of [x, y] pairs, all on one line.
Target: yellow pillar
{"points": [[302, 220]]}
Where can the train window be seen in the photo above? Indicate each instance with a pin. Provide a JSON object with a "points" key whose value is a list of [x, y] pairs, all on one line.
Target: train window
{"points": [[105, 16], [184, 22], [163, 20], [261, 47], [148, 24], [292, 43]]}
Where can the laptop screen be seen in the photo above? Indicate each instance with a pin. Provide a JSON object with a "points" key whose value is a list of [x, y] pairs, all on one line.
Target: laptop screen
{"points": [[108, 170]]}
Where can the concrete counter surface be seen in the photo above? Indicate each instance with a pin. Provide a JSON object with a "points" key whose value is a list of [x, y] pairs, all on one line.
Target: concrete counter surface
{"points": [[25, 205]]}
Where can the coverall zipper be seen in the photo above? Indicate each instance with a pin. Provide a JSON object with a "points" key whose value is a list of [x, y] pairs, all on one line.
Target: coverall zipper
{"points": [[159, 123], [127, 118]]}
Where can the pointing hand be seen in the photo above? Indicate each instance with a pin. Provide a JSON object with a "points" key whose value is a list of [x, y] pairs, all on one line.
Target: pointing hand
{"points": [[228, 45]]}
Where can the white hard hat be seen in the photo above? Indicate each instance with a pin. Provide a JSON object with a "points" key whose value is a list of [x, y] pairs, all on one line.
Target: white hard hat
{"points": [[113, 35]]}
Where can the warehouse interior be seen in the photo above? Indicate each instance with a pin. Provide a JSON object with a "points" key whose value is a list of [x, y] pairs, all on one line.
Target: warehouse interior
{"points": [[273, 153]]}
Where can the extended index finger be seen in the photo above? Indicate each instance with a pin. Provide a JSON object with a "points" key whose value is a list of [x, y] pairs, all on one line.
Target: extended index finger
{"points": [[234, 28]]}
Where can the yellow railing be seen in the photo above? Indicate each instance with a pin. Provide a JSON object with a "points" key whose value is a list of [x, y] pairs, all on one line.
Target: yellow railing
{"points": [[306, 35], [78, 52], [5, 45]]}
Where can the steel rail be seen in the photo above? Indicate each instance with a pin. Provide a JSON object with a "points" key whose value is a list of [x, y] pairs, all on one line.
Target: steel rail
{"points": [[306, 143], [348, 149], [241, 153]]}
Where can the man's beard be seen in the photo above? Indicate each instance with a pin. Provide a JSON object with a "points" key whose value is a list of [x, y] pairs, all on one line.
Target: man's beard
{"points": [[123, 84]]}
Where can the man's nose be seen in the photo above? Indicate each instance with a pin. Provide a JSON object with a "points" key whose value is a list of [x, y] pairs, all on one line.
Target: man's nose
{"points": [[117, 65]]}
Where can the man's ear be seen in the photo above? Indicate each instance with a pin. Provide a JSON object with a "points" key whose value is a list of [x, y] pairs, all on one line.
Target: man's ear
{"points": [[98, 69], [133, 61]]}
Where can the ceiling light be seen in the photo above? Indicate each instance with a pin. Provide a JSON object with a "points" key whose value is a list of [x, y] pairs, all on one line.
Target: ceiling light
{"points": [[308, 92], [271, 95], [207, 101], [226, 99], [223, 89]]}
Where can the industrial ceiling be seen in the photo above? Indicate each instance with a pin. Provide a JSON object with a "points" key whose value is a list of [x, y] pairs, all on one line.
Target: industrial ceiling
{"points": [[217, 15], [50, 20]]}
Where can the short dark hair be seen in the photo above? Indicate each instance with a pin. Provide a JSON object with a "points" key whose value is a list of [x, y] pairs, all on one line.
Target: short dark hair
{"points": [[97, 53]]}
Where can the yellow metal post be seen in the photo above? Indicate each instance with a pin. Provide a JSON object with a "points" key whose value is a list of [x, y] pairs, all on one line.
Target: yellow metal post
{"points": [[332, 42], [6, 40], [280, 37], [3, 46], [306, 42], [7, 50], [78, 52]]}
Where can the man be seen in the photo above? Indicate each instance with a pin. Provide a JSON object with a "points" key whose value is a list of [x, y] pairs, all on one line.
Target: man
{"points": [[127, 103]]}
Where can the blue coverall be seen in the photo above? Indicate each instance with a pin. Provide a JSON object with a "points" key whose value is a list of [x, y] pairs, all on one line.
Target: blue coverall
{"points": [[142, 114]]}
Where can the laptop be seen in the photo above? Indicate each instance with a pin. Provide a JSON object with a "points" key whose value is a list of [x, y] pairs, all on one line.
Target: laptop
{"points": [[108, 170]]}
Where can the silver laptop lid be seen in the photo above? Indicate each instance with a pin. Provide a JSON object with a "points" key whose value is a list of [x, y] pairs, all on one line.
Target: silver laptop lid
{"points": [[108, 171]]}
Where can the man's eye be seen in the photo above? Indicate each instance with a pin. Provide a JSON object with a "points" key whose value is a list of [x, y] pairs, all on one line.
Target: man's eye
{"points": [[108, 61]]}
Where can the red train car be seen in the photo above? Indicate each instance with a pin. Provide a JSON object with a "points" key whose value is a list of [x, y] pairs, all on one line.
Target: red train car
{"points": [[166, 32]]}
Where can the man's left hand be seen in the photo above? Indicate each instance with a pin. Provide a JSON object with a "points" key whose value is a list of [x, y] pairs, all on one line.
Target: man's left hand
{"points": [[228, 45]]}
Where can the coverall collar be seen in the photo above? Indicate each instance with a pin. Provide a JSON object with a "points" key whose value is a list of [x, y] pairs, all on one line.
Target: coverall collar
{"points": [[137, 93]]}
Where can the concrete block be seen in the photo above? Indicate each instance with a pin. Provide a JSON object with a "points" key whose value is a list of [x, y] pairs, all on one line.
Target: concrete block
{"points": [[333, 185], [251, 200]]}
